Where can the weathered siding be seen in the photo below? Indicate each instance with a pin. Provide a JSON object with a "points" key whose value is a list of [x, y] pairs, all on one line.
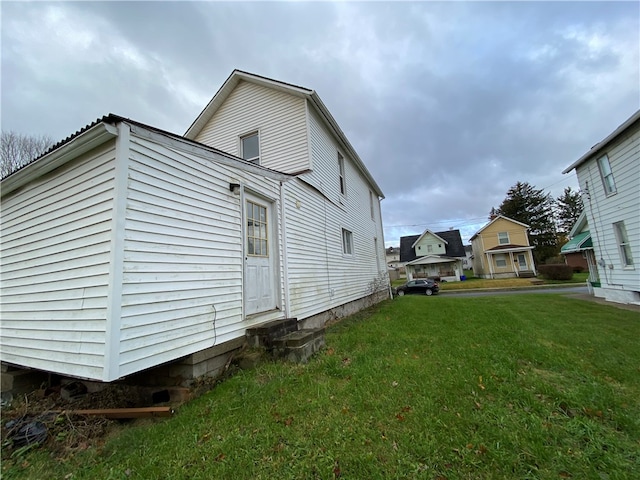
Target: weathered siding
{"points": [[56, 235], [182, 279], [624, 205], [321, 277], [279, 117]]}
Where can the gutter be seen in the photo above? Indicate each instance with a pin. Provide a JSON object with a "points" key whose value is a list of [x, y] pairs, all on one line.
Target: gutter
{"points": [[88, 140]]}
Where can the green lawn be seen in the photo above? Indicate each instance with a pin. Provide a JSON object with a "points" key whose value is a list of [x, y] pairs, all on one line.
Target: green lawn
{"points": [[511, 387]]}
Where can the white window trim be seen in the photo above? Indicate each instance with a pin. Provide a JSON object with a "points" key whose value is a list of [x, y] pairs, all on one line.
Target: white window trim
{"points": [[619, 229], [342, 178], [508, 239], [501, 256], [255, 160], [371, 205], [605, 184], [347, 242]]}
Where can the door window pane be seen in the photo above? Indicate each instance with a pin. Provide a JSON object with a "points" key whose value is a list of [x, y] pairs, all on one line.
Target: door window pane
{"points": [[257, 227]]}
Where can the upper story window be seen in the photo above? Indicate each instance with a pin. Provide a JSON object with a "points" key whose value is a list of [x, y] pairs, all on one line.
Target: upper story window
{"points": [[503, 238], [250, 147], [347, 242], [371, 207], [623, 244], [607, 175], [343, 187]]}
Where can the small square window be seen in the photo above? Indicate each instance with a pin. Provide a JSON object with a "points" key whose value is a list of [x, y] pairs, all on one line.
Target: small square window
{"points": [[501, 260], [623, 244], [347, 242], [503, 238], [607, 175], [250, 146]]}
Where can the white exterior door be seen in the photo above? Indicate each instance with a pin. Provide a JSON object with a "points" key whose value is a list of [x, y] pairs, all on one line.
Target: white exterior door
{"points": [[259, 279], [522, 261]]}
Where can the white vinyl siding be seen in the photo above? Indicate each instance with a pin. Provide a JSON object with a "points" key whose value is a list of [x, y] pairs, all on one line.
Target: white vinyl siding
{"points": [[326, 278], [56, 234], [604, 210], [280, 117], [182, 280]]}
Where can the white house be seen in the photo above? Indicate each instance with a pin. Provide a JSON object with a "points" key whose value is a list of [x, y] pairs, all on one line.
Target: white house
{"points": [[126, 247], [609, 177], [433, 254]]}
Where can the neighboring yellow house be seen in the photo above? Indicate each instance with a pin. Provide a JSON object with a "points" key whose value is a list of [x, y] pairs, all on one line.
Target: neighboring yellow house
{"points": [[501, 249]]}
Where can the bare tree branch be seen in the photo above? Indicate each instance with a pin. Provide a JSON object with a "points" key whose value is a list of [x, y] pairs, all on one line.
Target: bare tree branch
{"points": [[17, 150]]}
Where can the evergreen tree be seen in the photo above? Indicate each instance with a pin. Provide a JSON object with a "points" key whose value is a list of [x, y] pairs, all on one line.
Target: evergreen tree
{"points": [[531, 206], [569, 206]]}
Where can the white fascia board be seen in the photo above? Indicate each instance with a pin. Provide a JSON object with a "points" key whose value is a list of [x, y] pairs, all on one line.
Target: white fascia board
{"points": [[95, 136], [580, 224], [424, 233], [507, 250], [342, 139]]}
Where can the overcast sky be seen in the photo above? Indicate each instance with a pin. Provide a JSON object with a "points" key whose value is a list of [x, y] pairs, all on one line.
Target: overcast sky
{"points": [[448, 103]]}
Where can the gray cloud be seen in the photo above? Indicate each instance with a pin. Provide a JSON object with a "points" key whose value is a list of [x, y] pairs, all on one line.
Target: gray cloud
{"points": [[448, 104]]}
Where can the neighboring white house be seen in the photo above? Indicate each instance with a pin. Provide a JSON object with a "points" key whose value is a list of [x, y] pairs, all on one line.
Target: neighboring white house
{"points": [[126, 247], [433, 254], [609, 177]]}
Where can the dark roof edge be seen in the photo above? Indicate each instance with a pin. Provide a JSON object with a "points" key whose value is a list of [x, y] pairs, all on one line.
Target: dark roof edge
{"points": [[598, 147]]}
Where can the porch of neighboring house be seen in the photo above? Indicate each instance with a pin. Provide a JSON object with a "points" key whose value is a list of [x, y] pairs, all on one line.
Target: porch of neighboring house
{"points": [[448, 269], [506, 263]]}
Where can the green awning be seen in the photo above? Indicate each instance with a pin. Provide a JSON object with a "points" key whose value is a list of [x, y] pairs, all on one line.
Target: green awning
{"points": [[580, 242]]}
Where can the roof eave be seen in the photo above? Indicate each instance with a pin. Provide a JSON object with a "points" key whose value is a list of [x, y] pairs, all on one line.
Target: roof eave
{"points": [[600, 146], [319, 105], [87, 140]]}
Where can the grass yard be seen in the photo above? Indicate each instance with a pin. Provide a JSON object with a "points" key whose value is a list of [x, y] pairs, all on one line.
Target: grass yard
{"points": [[511, 387]]}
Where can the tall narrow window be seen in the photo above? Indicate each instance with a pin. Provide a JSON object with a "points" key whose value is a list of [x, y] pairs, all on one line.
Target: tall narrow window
{"points": [[250, 146], [503, 238], [607, 175], [347, 242], [257, 238], [343, 188], [371, 205], [623, 244]]}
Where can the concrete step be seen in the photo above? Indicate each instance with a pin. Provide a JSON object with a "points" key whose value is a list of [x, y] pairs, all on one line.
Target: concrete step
{"points": [[264, 334], [299, 346]]}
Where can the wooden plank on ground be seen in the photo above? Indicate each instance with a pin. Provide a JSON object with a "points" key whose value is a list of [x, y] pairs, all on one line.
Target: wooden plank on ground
{"points": [[127, 412]]}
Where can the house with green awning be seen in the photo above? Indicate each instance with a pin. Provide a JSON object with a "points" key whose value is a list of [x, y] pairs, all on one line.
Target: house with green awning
{"points": [[578, 251]]}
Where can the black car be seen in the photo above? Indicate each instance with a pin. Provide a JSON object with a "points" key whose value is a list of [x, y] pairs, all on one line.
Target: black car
{"points": [[424, 286]]}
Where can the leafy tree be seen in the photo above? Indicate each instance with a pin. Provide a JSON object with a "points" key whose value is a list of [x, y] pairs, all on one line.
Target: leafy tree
{"points": [[17, 150], [569, 206], [529, 205]]}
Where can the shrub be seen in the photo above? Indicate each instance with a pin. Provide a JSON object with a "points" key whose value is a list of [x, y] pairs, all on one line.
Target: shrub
{"points": [[556, 272]]}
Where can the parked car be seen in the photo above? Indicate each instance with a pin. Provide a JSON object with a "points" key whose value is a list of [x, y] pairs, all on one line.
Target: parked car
{"points": [[423, 286]]}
